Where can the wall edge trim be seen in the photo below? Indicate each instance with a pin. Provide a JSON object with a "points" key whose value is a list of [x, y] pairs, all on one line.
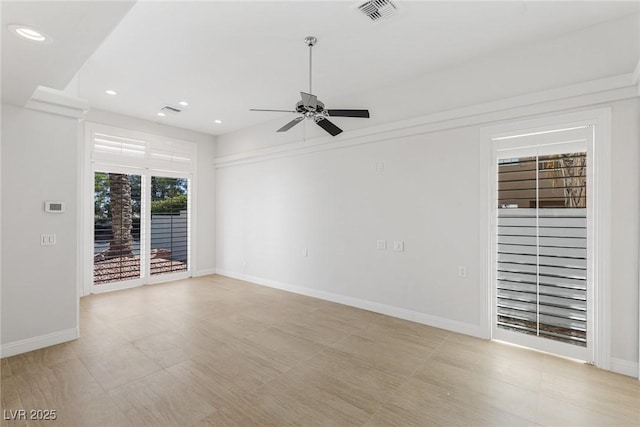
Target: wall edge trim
{"points": [[35, 343], [389, 310], [624, 367], [204, 272]]}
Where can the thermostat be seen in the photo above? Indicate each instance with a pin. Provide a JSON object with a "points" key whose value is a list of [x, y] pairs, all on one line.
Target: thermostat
{"points": [[54, 207]]}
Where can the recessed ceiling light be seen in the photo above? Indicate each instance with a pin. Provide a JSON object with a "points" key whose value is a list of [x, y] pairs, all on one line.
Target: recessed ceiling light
{"points": [[110, 92], [184, 103], [217, 121], [161, 114], [30, 33]]}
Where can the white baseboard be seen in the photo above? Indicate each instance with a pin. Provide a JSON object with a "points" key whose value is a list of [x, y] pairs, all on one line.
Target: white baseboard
{"points": [[624, 367], [204, 272], [35, 343], [389, 310]]}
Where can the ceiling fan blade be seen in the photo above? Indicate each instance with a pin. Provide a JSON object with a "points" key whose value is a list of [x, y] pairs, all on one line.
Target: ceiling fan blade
{"points": [[328, 126], [309, 100], [291, 124], [274, 111], [364, 114]]}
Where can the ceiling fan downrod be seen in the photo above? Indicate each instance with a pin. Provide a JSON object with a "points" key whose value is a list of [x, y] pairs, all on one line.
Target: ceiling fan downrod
{"points": [[310, 41]]}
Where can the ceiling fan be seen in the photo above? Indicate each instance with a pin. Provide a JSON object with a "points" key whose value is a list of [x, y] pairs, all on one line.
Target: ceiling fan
{"points": [[309, 107]]}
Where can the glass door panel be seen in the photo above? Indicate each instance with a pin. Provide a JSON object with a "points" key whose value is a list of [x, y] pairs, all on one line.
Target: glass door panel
{"points": [[117, 227], [170, 225]]}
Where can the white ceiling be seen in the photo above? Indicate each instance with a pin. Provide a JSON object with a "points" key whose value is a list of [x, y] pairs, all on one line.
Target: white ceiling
{"points": [[77, 29], [226, 57]]}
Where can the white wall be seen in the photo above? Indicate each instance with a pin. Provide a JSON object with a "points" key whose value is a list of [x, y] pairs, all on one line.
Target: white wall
{"points": [[39, 162], [205, 210], [335, 205], [625, 198]]}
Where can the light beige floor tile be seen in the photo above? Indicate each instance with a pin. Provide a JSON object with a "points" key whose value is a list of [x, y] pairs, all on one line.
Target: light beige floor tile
{"points": [[316, 396], [9, 397], [290, 345], [554, 411], [241, 354], [99, 411], [417, 404], [118, 366], [479, 392], [395, 359], [160, 400], [6, 369], [507, 363], [91, 341], [56, 386], [208, 383], [590, 392], [360, 383], [166, 349], [358, 391], [40, 358], [321, 333]]}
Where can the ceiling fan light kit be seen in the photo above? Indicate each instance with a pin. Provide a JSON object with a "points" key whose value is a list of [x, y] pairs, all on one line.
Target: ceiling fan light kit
{"points": [[309, 107]]}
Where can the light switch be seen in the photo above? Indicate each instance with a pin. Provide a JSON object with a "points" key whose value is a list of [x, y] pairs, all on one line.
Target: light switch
{"points": [[381, 245]]}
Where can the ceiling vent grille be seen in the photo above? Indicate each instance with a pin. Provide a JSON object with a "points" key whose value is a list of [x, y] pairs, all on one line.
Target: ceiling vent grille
{"points": [[378, 9]]}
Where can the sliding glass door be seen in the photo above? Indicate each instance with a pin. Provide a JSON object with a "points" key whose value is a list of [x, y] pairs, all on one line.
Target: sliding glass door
{"points": [[142, 226], [543, 274]]}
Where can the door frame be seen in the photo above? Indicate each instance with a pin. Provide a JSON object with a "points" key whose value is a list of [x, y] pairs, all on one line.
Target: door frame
{"points": [[86, 170], [600, 120], [145, 230]]}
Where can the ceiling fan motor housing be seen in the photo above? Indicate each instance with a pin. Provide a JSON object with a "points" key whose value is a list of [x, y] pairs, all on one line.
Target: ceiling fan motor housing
{"points": [[310, 112]]}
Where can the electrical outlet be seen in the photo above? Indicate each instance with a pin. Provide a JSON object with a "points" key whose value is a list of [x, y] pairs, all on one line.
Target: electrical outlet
{"points": [[462, 271], [398, 245], [381, 245], [47, 239]]}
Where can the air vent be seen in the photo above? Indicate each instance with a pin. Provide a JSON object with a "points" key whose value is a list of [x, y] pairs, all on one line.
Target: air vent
{"points": [[378, 9], [170, 110]]}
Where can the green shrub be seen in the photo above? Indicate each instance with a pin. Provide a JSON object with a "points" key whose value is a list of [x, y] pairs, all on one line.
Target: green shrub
{"points": [[170, 205]]}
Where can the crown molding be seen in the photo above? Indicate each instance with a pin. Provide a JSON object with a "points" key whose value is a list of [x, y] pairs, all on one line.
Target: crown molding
{"points": [[57, 102], [574, 96]]}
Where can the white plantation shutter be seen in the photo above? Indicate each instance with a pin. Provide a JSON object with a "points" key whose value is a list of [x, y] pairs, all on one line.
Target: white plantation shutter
{"points": [[108, 147], [171, 155], [123, 147]]}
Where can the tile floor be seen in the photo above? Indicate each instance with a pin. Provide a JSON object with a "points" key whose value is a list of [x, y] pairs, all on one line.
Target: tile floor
{"points": [[214, 351]]}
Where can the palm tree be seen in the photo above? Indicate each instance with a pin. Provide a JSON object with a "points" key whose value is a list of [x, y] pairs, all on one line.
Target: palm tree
{"points": [[569, 173], [121, 244]]}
